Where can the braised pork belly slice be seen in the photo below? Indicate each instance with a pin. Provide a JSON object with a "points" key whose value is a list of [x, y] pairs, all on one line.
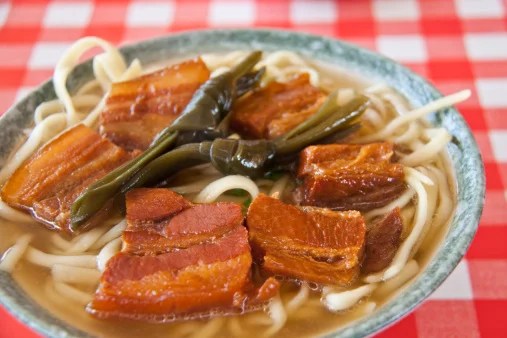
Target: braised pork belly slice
{"points": [[308, 243], [383, 238], [349, 176], [159, 220], [277, 108], [138, 109], [199, 265], [53, 177]]}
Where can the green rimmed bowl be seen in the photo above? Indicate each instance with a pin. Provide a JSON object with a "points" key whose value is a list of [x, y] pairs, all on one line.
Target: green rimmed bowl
{"points": [[463, 151]]}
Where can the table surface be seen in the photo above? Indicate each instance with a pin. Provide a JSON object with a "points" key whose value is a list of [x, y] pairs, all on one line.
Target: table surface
{"points": [[456, 44]]}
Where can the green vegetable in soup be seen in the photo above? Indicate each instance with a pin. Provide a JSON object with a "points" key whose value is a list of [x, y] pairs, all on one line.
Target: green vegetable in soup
{"points": [[253, 158]]}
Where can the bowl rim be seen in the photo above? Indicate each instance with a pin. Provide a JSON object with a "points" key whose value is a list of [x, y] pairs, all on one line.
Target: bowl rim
{"points": [[447, 255]]}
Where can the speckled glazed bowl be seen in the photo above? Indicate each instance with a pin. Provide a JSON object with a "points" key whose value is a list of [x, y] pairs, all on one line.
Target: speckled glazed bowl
{"points": [[464, 154]]}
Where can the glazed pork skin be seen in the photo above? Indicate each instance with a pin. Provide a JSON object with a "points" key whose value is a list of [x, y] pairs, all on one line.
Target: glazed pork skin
{"points": [[311, 244], [48, 182], [201, 265], [272, 111], [138, 109], [349, 176]]}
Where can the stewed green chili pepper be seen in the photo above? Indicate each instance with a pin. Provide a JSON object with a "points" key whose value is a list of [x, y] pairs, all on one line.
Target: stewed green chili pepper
{"points": [[252, 158], [330, 120], [202, 119]]}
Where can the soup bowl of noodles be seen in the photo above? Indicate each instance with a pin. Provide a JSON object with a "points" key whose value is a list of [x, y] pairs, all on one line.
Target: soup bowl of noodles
{"points": [[232, 183]]}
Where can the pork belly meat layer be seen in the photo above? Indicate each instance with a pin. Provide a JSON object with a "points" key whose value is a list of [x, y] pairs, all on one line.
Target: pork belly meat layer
{"points": [[383, 240], [200, 262], [138, 109], [274, 110], [53, 177], [349, 176], [312, 244]]}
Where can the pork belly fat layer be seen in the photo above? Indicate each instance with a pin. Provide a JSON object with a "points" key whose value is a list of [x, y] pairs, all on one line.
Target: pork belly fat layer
{"points": [[383, 239], [182, 260], [349, 176], [53, 177], [312, 244], [277, 108], [138, 109]]}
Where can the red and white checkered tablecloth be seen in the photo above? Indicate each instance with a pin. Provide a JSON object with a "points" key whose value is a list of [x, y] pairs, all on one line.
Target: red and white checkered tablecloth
{"points": [[456, 44]]}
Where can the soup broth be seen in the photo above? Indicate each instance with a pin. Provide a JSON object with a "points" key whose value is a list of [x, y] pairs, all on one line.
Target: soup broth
{"points": [[310, 318]]}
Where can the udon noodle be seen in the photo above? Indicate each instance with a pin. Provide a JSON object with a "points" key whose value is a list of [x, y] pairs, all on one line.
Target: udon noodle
{"points": [[74, 266]]}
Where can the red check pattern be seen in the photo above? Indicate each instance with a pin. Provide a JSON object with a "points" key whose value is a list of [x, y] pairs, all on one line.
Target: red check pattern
{"points": [[456, 44]]}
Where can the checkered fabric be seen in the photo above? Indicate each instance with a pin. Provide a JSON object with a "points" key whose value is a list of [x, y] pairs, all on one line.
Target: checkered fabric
{"points": [[456, 44]]}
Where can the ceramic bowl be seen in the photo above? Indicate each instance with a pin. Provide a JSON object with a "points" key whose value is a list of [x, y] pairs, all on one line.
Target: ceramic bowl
{"points": [[464, 154]]}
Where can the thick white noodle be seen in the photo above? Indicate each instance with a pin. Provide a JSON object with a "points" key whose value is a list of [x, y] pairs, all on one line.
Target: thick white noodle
{"points": [[43, 259], [278, 316], [282, 65], [12, 256], [408, 272], [374, 117], [71, 293], [299, 299], [90, 119], [345, 95], [51, 126], [218, 187], [113, 233], [418, 113], [11, 214], [438, 140], [108, 251], [279, 187], [115, 67], [397, 101], [407, 217], [75, 275], [403, 253], [445, 201], [193, 187], [133, 71], [86, 240], [400, 202], [49, 108], [215, 61], [342, 300], [46, 109], [432, 200], [418, 176], [91, 86], [412, 132], [377, 104], [59, 242]]}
